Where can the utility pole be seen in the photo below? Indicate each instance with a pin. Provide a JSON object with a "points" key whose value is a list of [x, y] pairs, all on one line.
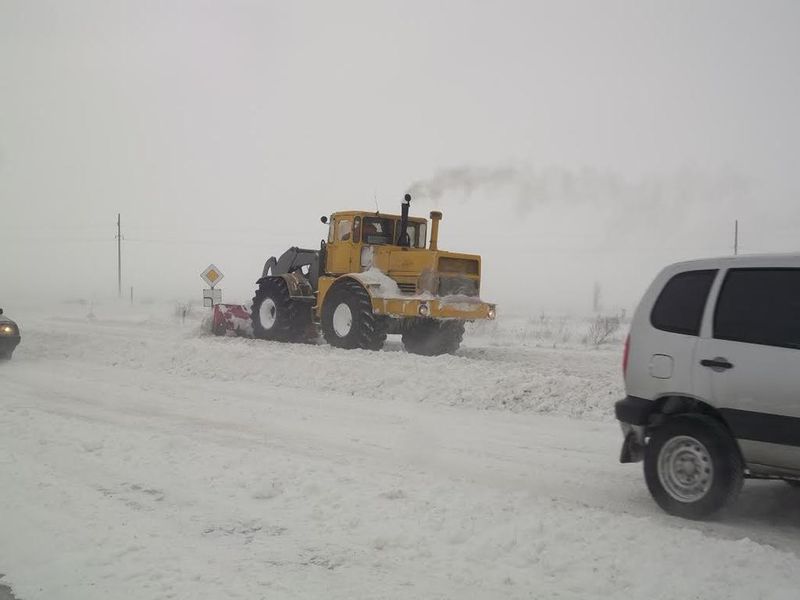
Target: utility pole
{"points": [[736, 237], [119, 257]]}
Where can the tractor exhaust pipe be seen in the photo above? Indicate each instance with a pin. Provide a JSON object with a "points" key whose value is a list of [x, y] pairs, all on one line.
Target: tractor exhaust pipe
{"points": [[436, 216], [403, 238]]}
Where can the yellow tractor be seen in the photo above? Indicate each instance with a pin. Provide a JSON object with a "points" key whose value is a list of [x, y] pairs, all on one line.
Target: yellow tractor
{"points": [[372, 277]]}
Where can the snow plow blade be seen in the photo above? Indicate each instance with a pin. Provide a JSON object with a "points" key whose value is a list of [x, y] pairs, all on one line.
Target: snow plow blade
{"points": [[232, 320]]}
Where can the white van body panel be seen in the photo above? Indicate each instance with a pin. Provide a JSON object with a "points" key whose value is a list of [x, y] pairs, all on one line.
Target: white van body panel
{"points": [[649, 345]]}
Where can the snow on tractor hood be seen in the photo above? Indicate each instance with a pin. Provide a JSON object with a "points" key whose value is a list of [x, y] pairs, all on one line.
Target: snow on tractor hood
{"points": [[379, 284]]}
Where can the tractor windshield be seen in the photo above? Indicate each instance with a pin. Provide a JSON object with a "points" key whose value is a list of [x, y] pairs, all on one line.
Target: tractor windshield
{"points": [[381, 230], [377, 230]]}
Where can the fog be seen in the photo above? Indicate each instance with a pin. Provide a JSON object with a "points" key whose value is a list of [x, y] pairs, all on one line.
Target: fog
{"points": [[569, 143]]}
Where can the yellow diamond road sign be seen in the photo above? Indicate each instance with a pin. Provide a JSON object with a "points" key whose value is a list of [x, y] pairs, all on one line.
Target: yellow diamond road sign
{"points": [[212, 275]]}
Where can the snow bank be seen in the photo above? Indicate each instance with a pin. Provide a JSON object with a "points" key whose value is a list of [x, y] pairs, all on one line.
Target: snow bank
{"points": [[579, 383]]}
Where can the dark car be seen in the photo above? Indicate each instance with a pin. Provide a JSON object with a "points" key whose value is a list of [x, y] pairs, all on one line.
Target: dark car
{"points": [[9, 336]]}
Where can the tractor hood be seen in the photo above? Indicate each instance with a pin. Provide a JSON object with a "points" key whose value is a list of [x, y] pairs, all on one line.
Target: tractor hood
{"points": [[419, 270], [413, 261]]}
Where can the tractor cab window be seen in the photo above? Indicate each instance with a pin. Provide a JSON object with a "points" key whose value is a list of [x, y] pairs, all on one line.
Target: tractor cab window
{"points": [[344, 230], [417, 234], [377, 230]]}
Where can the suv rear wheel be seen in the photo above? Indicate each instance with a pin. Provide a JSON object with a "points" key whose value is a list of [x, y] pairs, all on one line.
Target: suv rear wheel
{"points": [[693, 467]]}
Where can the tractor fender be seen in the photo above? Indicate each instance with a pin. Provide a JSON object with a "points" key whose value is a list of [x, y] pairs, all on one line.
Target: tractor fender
{"points": [[365, 282], [377, 283], [356, 277], [296, 282], [374, 282]]}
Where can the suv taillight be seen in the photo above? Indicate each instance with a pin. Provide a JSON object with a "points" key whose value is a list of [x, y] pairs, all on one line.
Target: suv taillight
{"points": [[625, 353]]}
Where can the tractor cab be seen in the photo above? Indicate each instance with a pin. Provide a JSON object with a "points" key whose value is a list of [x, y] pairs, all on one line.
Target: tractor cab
{"points": [[355, 237], [396, 246], [360, 240], [375, 229]]}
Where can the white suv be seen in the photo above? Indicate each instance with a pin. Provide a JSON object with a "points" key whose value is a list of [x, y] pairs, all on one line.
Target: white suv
{"points": [[712, 377]]}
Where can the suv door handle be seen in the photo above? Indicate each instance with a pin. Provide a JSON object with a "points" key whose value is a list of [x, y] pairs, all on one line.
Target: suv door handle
{"points": [[718, 364]]}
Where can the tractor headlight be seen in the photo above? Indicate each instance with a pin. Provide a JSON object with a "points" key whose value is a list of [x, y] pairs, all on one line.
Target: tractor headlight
{"points": [[424, 310], [492, 314], [8, 329]]}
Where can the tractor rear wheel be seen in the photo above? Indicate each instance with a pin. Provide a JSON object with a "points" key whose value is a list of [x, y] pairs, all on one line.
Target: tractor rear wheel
{"points": [[430, 337], [347, 318], [276, 316]]}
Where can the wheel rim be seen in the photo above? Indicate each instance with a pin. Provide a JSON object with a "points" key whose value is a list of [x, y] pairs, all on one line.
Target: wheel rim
{"points": [[342, 320], [268, 313], [685, 469]]}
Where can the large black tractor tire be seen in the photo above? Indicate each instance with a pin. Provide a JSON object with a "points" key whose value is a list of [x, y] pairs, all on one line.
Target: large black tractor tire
{"points": [[276, 316], [430, 337], [347, 318], [693, 467]]}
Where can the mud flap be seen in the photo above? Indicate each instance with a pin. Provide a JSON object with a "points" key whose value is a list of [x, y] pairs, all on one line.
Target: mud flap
{"points": [[632, 449]]}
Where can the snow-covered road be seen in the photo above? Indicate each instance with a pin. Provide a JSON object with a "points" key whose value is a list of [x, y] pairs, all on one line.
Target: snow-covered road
{"points": [[143, 460]]}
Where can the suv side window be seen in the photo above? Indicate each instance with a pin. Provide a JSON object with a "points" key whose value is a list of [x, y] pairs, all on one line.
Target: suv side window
{"points": [[760, 306], [679, 307]]}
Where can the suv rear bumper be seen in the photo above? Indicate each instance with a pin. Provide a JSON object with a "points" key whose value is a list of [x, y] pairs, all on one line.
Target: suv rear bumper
{"points": [[633, 410]]}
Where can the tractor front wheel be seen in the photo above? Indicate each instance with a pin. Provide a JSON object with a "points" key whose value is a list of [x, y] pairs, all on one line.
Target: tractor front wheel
{"points": [[347, 318], [276, 316], [430, 337]]}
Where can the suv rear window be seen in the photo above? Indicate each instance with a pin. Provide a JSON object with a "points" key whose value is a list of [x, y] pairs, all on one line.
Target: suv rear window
{"points": [[679, 307], [760, 306]]}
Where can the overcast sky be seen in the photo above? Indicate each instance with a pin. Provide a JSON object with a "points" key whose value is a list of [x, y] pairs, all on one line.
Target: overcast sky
{"points": [[579, 141]]}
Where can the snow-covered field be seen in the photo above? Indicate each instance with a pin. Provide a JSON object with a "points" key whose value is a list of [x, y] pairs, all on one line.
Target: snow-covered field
{"points": [[143, 459]]}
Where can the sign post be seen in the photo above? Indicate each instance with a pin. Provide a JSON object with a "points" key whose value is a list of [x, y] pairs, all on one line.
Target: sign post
{"points": [[212, 276]]}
